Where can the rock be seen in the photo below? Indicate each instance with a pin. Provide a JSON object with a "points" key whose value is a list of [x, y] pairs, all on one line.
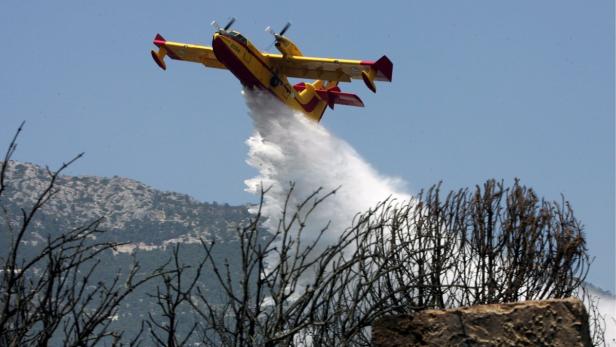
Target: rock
{"points": [[557, 322]]}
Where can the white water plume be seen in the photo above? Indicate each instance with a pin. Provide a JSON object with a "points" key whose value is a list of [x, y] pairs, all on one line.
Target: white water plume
{"points": [[287, 147]]}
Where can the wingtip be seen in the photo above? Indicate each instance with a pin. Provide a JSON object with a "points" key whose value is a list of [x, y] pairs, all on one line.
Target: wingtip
{"points": [[160, 62], [385, 67], [368, 78], [159, 40], [360, 102]]}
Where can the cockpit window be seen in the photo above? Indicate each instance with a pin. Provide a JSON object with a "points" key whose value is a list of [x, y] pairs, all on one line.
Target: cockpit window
{"points": [[238, 36]]}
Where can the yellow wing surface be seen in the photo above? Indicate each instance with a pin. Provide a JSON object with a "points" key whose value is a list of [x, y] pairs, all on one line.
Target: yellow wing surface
{"points": [[183, 51], [328, 69], [331, 69]]}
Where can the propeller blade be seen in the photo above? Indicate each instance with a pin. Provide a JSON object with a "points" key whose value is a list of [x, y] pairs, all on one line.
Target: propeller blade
{"points": [[284, 30], [277, 36], [270, 45], [215, 25], [229, 24]]}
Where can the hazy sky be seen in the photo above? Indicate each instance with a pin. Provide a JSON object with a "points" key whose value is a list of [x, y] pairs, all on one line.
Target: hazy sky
{"points": [[481, 89]]}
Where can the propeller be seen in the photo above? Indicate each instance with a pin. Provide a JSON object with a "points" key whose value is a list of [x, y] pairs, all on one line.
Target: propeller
{"points": [[277, 35], [218, 28], [281, 33], [231, 21], [284, 30]]}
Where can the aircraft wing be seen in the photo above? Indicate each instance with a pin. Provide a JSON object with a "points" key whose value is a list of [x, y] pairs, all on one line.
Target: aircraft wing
{"points": [[330, 69], [184, 51]]}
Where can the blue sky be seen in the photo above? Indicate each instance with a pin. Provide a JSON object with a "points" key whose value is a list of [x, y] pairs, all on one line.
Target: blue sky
{"points": [[481, 89]]}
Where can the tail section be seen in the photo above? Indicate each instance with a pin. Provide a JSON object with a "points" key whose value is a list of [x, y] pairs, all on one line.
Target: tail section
{"points": [[316, 97]]}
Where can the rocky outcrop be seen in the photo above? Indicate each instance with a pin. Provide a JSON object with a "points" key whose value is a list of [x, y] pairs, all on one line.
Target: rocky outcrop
{"points": [[562, 322]]}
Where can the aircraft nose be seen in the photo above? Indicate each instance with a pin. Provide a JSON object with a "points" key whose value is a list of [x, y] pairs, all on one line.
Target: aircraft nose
{"points": [[219, 39], [220, 47]]}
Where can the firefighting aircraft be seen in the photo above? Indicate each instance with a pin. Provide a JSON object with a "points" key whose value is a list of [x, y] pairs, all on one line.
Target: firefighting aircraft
{"points": [[255, 69]]}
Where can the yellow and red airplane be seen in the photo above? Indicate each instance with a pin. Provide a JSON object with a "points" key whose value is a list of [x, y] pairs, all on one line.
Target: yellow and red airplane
{"points": [[255, 69]]}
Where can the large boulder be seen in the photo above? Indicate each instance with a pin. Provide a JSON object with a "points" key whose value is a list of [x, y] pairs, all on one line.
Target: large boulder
{"points": [[558, 322]]}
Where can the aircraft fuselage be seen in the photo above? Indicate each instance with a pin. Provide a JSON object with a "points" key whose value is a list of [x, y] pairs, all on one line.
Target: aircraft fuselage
{"points": [[253, 70]]}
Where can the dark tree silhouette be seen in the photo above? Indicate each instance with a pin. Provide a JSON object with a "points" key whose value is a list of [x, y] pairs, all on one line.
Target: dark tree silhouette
{"points": [[51, 297], [170, 296]]}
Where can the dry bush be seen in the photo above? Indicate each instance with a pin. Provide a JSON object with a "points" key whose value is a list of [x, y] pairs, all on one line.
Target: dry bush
{"points": [[492, 244]]}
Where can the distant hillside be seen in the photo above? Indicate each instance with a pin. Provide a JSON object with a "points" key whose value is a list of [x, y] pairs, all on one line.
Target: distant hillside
{"points": [[133, 212]]}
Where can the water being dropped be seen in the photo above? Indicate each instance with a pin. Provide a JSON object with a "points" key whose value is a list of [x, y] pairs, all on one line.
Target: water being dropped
{"points": [[287, 147]]}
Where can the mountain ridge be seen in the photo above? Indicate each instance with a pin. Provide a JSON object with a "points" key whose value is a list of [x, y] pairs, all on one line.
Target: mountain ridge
{"points": [[144, 215]]}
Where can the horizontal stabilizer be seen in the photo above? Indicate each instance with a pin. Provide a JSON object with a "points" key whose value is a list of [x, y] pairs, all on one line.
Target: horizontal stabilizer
{"points": [[333, 96], [336, 97]]}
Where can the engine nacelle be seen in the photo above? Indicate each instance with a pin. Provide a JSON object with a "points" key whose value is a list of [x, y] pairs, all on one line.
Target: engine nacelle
{"points": [[287, 47]]}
